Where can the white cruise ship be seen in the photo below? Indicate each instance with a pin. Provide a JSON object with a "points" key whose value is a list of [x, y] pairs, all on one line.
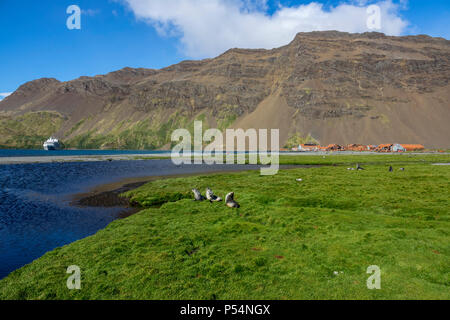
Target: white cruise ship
{"points": [[52, 144]]}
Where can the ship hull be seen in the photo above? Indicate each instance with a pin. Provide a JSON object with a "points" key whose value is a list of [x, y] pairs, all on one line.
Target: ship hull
{"points": [[52, 147]]}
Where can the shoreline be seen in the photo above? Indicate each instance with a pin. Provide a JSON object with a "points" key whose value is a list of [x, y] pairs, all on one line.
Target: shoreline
{"points": [[50, 159], [108, 195], [165, 156]]}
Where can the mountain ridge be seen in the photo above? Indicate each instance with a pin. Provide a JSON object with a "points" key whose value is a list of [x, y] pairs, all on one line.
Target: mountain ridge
{"points": [[335, 87]]}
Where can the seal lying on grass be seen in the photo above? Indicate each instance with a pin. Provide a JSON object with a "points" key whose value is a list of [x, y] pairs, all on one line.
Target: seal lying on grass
{"points": [[197, 195], [229, 200], [211, 197]]}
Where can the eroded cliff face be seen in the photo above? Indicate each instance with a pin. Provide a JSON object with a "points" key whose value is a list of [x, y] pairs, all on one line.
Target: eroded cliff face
{"points": [[336, 87]]}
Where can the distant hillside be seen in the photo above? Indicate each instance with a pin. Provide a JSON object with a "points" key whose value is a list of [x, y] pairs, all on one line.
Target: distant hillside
{"points": [[330, 86]]}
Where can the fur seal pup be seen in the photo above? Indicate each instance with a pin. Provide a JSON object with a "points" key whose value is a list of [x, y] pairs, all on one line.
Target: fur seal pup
{"points": [[211, 197], [197, 195], [229, 200]]}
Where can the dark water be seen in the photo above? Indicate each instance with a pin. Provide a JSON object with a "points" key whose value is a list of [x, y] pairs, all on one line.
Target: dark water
{"points": [[44, 153], [35, 214]]}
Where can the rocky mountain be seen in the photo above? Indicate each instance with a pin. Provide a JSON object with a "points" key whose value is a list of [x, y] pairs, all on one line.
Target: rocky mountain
{"points": [[334, 87]]}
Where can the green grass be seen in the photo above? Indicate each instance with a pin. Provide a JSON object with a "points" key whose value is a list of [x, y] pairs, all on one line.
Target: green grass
{"points": [[364, 158], [352, 160], [143, 135], [285, 242], [29, 130]]}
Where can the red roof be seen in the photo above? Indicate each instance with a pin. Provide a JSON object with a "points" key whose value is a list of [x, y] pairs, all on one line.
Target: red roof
{"points": [[413, 147]]}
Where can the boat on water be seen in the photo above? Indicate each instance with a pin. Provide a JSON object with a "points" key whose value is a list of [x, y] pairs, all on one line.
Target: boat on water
{"points": [[52, 144]]}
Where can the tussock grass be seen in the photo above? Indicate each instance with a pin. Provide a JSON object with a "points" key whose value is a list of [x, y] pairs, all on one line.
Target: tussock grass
{"points": [[285, 242]]}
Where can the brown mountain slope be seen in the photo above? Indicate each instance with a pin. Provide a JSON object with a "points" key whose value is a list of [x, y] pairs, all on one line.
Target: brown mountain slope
{"points": [[337, 87]]}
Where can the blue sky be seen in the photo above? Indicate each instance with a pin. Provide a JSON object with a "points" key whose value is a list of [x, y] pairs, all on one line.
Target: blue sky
{"points": [[35, 42]]}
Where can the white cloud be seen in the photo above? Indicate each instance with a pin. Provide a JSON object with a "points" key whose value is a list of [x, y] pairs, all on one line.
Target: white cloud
{"points": [[4, 95], [209, 27]]}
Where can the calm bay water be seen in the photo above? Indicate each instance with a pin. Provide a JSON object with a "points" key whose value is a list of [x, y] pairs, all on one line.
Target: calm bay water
{"points": [[44, 153], [35, 214]]}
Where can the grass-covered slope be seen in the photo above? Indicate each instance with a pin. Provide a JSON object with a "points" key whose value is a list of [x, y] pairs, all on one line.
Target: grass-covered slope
{"points": [[29, 130], [285, 242]]}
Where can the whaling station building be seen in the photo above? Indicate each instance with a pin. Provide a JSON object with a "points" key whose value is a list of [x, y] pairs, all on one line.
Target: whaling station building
{"points": [[391, 147]]}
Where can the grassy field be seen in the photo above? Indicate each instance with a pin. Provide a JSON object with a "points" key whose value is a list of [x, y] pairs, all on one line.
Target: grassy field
{"points": [[341, 159], [287, 241]]}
